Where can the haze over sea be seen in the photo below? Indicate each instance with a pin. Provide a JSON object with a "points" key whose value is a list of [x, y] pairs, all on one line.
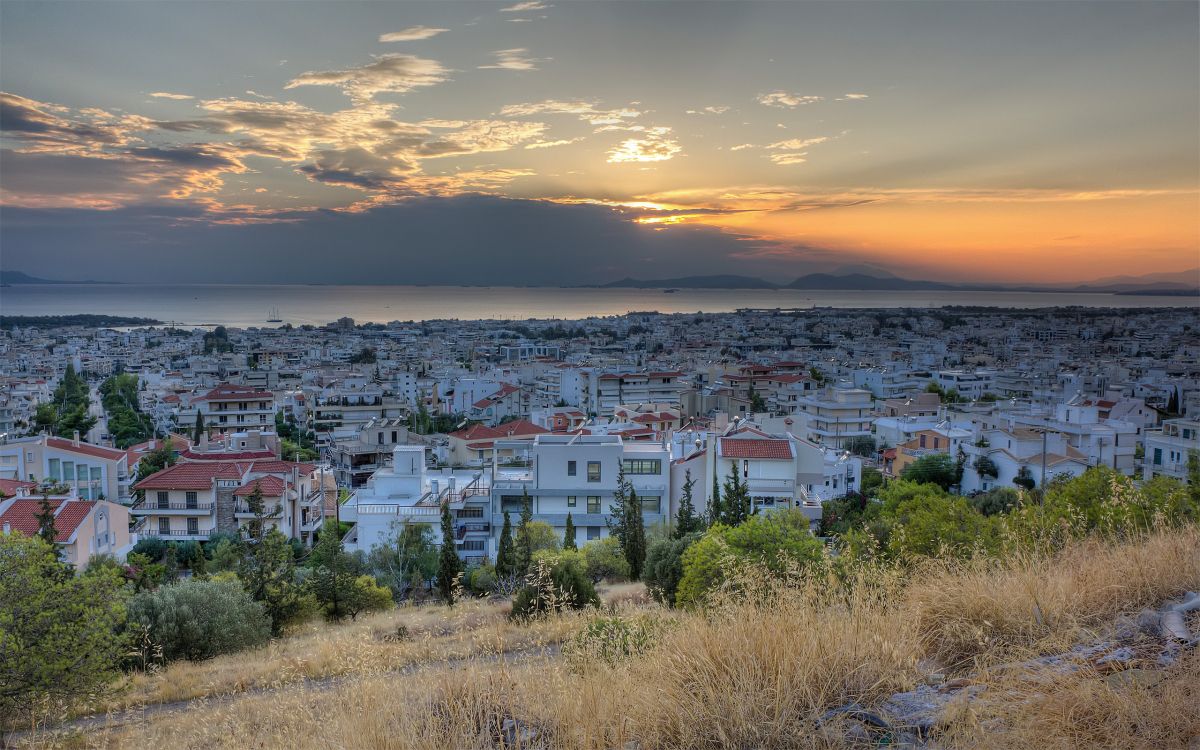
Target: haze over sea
{"points": [[249, 305]]}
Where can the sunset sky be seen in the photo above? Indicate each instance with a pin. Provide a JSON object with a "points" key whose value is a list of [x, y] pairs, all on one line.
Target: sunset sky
{"points": [[572, 142]]}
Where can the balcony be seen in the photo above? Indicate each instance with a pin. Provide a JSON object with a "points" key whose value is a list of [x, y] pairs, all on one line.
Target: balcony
{"points": [[177, 534], [773, 487], [154, 508]]}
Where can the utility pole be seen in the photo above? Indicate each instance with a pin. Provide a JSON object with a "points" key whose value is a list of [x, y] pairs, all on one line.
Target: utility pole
{"points": [[1045, 434]]}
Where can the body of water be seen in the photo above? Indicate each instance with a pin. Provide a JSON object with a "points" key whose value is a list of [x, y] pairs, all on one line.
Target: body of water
{"points": [[250, 305]]}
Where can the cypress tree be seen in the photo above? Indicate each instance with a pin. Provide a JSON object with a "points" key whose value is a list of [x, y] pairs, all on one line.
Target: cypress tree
{"points": [[635, 549], [524, 543], [686, 520], [506, 560], [737, 499], [449, 565], [45, 518], [198, 430], [715, 512], [569, 535]]}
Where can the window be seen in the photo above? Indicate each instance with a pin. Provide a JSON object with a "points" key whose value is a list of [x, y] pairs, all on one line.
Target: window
{"points": [[474, 545], [472, 511], [593, 469], [55, 469], [642, 466], [651, 503], [571, 501], [571, 468], [1158, 456], [193, 526], [164, 500], [164, 526], [510, 503], [593, 532], [191, 499], [593, 504]]}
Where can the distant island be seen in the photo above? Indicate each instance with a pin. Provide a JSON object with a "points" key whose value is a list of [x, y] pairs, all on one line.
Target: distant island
{"points": [[65, 321], [18, 277]]}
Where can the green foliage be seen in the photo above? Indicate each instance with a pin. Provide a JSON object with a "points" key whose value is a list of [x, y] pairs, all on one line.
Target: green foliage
{"points": [[524, 544], [986, 467], [627, 525], [296, 452], [217, 341], [449, 566], [365, 356], [777, 540], [861, 445], [613, 639], [58, 632], [226, 556], [569, 534], [198, 428], [406, 563], [934, 468], [143, 572], [605, 560], [872, 480], [200, 619], [996, 501], [506, 554], [557, 582], [67, 411], [481, 580], [1024, 479], [715, 511], [735, 503], [542, 536], [157, 459], [334, 574], [127, 424], [664, 566], [257, 526], [45, 518], [686, 520], [268, 571], [926, 521]]}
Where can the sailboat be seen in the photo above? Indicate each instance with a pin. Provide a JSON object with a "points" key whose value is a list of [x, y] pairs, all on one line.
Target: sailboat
{"points": [[273, 316]]}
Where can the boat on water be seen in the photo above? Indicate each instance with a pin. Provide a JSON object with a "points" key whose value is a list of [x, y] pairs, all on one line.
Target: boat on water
{"points": [[273, 316]]}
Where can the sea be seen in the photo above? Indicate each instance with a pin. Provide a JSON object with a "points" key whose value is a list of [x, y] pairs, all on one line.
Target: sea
{"points": [[247, 306]]}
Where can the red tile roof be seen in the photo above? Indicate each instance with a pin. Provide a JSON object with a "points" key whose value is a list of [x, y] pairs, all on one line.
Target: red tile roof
{"points": [[219, 455], [231, 392], [281, 467], [271, 487], [515, 429], [22, 516], [191, 475], [86, 449], [9, 487], [770, 448]]}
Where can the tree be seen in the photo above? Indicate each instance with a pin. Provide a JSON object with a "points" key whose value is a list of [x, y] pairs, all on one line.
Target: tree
{"points": [[757, 404], [506, 555], [996, 501], [664, 566], [524, 555], [449, 566], [157, 459], [605, 560], [872, 480], [558, 582], [268, 571], [407, 563], [776, 541], [197, 620], [45, 520], [986, 467], [686, 520], [737, 498], [627, 524], [714, 502], [934, 468], [925, 521], [59, 638], [1024, 479], [569, 534], [861, 445], [542, 536], [333, 572], [257, 526]]}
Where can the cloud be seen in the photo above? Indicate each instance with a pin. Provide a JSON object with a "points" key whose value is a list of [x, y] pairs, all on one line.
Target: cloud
{"points": [[355, 168], [795, 144], [394, 73], [786, 100], [792, 151], [513, 59], [412, 34], [742, 147], [166, 95], [40, 126], [787, 158], [709, 111], [655, 145], [524, 6], [552, 144], [588, 111], [851, 97]]}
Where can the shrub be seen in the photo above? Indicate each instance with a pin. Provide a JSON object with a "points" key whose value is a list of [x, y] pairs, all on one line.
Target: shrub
{"points": [[664, 567], [152, 547], [777, 540], [613, 639], [200, 619], [555, 584], [481, 580], [926, 521], [605, 560], [996, 501]]}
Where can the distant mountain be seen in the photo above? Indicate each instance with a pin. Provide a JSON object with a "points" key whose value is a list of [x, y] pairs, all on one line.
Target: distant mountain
{"points": [[721, 281], [1189, 278], [17, 277], [862, 281], [864, 269]]}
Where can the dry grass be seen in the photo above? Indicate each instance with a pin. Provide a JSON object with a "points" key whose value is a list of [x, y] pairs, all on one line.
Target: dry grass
{"points": [[755, 671]]}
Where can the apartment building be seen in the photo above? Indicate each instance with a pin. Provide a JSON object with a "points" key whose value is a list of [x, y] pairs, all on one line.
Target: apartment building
{"points": [[93, 472], [1167, 449], [836, 415], [85, 528], [614, 389], [234, 408], [407, 493], [578, 474], [1018, 451], [357, 453], [969, 385]]}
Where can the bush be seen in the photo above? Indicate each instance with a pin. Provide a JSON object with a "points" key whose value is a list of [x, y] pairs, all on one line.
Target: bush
{"points": [[777, 540], [605, 560], [664, 567], [200, 619], [996, 501], [556, 583], [613, 639], [935, 468], [481, 580], [152, 547]]}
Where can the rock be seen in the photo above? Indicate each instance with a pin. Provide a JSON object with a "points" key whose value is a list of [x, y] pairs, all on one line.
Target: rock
{"points": [[1137, 678]]}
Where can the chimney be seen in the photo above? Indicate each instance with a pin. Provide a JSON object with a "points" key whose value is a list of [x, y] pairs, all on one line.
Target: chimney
{"points": [[7, 529], [204, 440], [75, 439], [433, 486]]}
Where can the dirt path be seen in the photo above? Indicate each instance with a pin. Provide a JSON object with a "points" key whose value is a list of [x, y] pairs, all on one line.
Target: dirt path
{"points": [[149, 712]]}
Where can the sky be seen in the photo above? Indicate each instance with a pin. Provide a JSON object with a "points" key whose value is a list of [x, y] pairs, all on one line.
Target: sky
{"points": [[582, 142]]}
